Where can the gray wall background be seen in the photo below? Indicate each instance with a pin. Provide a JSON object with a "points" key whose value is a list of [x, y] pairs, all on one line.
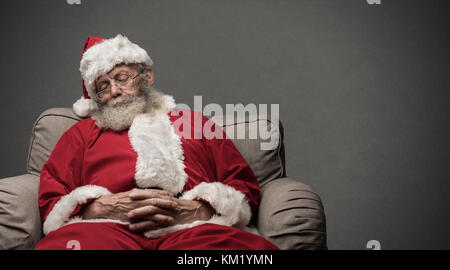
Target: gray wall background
{"points": [[363, 92]]}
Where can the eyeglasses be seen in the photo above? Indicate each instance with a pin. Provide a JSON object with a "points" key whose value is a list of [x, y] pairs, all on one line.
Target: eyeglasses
{"points": [[122, 80]]}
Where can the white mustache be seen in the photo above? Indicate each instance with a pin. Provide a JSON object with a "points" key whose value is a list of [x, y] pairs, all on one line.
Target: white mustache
{"points": [[121, 100]]}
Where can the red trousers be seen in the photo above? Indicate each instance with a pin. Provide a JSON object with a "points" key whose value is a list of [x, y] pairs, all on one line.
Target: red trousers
{"points": [[115, 236]]}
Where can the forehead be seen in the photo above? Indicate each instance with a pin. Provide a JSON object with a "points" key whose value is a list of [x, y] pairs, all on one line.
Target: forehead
{"points": [[118, 68]]}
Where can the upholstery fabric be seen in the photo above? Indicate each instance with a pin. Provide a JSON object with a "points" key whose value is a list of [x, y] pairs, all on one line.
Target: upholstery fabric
{"points": [[291, 215], [20, 223], [47, 130]]}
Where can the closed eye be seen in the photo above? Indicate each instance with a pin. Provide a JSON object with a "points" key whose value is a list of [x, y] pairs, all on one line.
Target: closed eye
{"points": [[103, 87], [122, 77]]}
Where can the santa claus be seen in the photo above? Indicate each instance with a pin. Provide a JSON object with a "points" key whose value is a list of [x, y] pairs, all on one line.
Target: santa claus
{"points": [[128, 177]]}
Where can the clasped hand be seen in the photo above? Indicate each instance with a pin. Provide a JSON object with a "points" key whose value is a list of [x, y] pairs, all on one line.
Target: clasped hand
{"points": [[147, 209]]}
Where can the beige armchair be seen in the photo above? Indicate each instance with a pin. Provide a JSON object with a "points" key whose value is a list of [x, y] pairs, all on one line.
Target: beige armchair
{"points": [[290, 214]]}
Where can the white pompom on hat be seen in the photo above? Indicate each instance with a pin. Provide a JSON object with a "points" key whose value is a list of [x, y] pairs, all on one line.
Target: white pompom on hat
{"points": [[100, 56]]}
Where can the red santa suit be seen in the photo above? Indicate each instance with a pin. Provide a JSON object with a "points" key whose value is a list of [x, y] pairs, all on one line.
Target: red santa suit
{"points": [[165, 148]]}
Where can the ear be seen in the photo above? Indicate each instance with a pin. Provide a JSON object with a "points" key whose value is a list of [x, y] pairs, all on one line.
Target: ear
{"points": [[150, 76]]}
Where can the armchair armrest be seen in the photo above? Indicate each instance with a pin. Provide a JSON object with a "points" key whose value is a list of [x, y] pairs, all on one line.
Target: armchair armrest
{"points": [[291, 215], [20, 222]]}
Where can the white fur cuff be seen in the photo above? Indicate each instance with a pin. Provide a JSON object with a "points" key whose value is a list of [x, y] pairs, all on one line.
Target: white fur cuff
{"points": [[231, 206], [62, 210]]}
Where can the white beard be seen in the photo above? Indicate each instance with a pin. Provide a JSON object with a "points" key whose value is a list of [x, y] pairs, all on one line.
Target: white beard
{"points": [[118, 113]]}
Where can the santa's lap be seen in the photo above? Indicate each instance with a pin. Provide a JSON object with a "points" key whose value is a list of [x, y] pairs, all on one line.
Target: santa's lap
{"points": [[115, 236]]}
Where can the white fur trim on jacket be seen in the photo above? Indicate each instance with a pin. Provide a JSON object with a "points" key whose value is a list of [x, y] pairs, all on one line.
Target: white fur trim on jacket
{"points": [[60, 214], [160, 158], [231, 206], [99, 59], [84, 106]]}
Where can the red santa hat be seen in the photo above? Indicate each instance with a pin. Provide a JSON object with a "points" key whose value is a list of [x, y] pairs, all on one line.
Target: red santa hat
{"points": [[99, 56]]}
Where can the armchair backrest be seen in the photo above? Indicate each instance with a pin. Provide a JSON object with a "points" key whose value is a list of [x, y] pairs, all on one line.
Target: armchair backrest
{"points": [[266, 164]]}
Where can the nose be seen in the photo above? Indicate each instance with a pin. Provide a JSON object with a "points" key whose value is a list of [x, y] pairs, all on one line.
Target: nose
{"points": [[115, 90]]}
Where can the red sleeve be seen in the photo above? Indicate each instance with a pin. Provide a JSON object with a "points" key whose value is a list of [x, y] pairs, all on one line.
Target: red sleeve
{"points": [[234, 194], [60, 192], [61, 173], [231, 167]]}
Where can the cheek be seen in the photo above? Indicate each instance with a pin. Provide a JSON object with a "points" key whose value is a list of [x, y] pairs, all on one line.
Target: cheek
{"points": [[105, 99], [133, 90]]}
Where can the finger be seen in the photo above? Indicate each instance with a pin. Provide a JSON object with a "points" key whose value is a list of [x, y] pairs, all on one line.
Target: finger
{"points": [[139, 194], [166, 203], [139, 226], [151, 223], [146, 211], [160, 219]]}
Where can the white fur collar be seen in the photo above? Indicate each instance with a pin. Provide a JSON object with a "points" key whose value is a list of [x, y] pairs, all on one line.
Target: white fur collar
{"points": [[159, 151]]}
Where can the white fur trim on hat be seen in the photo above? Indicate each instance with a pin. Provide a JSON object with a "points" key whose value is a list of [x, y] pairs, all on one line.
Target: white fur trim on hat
{"points": [[83, 107], [99, 59]]}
